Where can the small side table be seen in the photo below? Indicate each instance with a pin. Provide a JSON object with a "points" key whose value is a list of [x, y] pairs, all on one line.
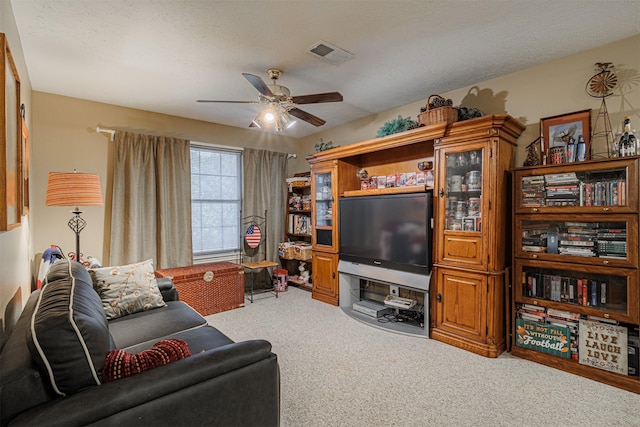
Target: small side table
{"points": [[253, 268]]}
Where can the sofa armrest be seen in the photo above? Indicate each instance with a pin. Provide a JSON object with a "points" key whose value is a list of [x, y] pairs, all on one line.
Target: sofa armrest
{"points": [[237, 384], [167, 289]]}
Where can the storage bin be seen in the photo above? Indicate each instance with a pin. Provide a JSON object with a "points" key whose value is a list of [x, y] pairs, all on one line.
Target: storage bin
{"points": [[280, 280], [208, 288]]}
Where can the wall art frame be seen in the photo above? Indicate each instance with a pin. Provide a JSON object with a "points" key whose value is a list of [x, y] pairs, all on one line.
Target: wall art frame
{"points": [[557, 131], [25, 167], [11, 178]]}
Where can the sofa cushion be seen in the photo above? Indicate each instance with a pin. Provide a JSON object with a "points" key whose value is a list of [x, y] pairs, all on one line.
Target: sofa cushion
{"points": [[199, 339], [69, 334], [127, 289], [121, 364], [154, 325]]}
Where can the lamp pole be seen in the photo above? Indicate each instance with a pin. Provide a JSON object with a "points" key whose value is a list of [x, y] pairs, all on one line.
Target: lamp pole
{"points": [[77, 224]]}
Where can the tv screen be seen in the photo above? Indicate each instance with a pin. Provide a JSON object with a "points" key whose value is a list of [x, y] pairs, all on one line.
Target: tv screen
{"points": [[389, 231]]}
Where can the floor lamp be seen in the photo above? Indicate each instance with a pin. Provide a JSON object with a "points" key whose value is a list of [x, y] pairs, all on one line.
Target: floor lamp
{"points": [[74, 189]]}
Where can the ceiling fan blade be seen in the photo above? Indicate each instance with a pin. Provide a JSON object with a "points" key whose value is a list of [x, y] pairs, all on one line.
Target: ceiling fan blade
{"points": [[309, 118], [259, 84], [317, 98], [229, 102]]}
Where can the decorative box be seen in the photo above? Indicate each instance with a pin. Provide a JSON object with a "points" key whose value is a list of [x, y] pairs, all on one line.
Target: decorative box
{"points": [[208, 288]]}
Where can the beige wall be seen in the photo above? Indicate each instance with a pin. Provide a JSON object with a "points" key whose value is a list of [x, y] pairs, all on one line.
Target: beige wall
{"points": [[546, 90], [15, 245], [64, 138]]}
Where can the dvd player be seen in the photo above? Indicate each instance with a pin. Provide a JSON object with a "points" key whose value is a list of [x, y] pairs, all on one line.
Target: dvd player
{"points": [[371, 308]]}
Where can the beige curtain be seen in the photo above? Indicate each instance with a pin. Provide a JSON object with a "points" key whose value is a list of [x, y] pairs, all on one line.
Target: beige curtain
{"points": [[265, 187], [151, 208]]}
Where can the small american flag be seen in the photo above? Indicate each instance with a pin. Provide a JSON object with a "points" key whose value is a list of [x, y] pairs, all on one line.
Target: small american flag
{"points": [[253, 236]]}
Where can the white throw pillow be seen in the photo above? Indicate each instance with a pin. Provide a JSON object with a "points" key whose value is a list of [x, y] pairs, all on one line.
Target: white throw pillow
{"points": [[127, 289]]}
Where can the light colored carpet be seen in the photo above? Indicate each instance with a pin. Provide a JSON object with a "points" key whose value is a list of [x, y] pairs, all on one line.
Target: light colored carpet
{"points": [[336, 371]]}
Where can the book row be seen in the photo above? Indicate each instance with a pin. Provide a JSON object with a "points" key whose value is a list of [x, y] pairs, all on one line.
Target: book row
{"points": [[560, 190], [299, 224], [588, 292], [576, 238]]}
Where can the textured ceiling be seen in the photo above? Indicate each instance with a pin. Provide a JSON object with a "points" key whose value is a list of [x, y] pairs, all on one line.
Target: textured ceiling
{"points": [[161, 56]]}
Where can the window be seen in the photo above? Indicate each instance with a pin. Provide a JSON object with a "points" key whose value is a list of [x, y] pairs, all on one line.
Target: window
{"points": [[216, 196]]}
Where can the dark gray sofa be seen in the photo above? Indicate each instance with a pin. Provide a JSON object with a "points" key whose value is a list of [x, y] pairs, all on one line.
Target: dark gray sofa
{"points": [[222, 383]]}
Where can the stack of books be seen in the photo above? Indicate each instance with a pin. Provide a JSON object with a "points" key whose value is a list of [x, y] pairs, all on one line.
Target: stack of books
{"points": [[612, 241], [533, 193], [578, 238], [562, 189]]}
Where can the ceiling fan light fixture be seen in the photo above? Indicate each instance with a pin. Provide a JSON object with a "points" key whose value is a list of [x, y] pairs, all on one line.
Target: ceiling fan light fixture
{"points": [[269, 117], [286, 120], [274, 118]]}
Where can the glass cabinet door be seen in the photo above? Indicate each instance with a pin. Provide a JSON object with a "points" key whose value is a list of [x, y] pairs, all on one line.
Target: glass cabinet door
{"points": [[578, 288], [463, 180], [590, 187], [323, 187], [609, 240]]}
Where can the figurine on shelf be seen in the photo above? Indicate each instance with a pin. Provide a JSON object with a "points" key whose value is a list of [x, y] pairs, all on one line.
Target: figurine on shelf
{"points": [[304, 273]]}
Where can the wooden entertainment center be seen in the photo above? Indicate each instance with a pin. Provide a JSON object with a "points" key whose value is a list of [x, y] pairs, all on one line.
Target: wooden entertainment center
{"points": [[471, 160]]}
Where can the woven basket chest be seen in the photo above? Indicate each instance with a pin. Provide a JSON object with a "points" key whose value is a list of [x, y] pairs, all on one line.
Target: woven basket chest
{"points": [[208, 288]]}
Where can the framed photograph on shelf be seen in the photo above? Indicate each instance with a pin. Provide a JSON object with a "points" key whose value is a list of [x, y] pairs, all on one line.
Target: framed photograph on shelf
{"points": [[10, 141], [560, 131]]}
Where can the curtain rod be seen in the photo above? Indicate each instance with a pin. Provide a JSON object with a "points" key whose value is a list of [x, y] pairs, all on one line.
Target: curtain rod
{"points": [[109, 131], [112, 132]]}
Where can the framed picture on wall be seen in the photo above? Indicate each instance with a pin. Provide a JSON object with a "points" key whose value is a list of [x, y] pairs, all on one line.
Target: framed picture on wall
{"points": [[10, 141], [559, 131], [25, 167]]}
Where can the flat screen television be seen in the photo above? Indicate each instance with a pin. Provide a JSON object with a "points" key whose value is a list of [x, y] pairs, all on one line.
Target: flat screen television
{"points": [[388, 231]]}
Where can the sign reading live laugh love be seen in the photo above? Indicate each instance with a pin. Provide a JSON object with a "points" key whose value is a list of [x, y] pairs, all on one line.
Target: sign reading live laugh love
{"points": [[542, 337], [603, 346]]}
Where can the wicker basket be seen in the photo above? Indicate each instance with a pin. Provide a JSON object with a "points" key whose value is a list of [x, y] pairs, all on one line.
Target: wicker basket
{"points": [[287, 250], [438, 115], [303, 252]]}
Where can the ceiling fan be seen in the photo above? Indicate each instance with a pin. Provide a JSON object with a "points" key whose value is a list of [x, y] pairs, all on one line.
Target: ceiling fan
{"points": [[279, 101]]}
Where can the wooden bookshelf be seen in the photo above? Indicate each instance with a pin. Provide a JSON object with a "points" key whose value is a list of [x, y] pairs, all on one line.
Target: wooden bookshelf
{"points": [[576, 227]]}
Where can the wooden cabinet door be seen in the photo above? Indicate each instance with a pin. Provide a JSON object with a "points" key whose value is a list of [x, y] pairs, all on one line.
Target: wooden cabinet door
{"points": [[461, 304], [325, 277]]}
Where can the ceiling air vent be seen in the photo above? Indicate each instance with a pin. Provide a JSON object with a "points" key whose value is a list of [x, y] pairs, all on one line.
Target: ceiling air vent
{"points": [[329, 52]]}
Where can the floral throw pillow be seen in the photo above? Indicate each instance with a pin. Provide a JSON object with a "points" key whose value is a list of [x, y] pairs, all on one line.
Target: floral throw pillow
{"points": [[127, 289]]}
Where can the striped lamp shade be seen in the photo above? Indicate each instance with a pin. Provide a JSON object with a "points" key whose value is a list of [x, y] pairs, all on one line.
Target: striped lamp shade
{"points": [[74, 189]]}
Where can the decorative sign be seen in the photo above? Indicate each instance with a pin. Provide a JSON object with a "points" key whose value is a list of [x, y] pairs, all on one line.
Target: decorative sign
{"points": [[603, 346], [542, 337], [253, 236]]}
